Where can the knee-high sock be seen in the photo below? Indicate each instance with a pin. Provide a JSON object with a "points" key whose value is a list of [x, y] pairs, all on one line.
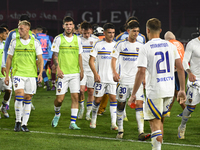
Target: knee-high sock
{"points": [[89, 108], [57, 110], [95, 108], [74, 113], [81, 103], [113, 112], [156, 145], [18, 107], [120, 114], [26, 111], [186, 112], [44, 75], [140, 119]]}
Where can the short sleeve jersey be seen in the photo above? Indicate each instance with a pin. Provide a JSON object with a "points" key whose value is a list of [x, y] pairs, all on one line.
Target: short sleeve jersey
{"points": [[127, 55], [158, 57], [102, 52], [87, 46]]}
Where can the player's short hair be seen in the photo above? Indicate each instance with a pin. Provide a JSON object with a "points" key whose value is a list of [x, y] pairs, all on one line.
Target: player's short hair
{"points": [[39, 28], [132, 18], [44, 29], [108, 26], [68, 19], [26, 23], [154, 24], [2, 30], [86, 25], [133, 24], [4, 25], [24, 17]]}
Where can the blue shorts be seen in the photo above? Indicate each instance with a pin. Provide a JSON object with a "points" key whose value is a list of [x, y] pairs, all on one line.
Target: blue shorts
{"points": [[177, 85]]}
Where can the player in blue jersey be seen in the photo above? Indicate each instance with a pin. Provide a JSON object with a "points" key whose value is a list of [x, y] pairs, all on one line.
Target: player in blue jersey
{"points": [[47, 54]]}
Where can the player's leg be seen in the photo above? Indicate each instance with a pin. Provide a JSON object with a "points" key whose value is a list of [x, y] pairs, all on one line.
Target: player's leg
{"points": [[81, 101], [74, 85], [90, 99], [53, 75], [45, 78]]}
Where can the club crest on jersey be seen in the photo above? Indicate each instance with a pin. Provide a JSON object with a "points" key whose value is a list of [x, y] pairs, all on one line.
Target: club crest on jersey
{"points": [[113, 51], [190, 100], [120, 96], [91, 42], [137, 49], [53, 46], [75, 43], [31, 45], [96, 92], [16, 85], [59, 90], [91, 51]]}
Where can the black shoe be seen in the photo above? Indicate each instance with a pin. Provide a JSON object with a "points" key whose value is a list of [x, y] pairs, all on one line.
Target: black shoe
{"points": [[48, 86], [25, 129], [17, 126], [144, 136]]}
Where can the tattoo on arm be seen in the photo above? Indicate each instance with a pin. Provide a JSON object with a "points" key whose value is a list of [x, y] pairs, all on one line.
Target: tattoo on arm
{"points": [[55, 59]]}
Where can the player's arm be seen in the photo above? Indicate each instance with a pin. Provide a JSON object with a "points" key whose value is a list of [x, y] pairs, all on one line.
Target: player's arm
{"points": [[55, 60], [92, 66], [3, 67], [81, 66], [116, 76], [186, 59], [8, 66], [181, 97], [40, 65], [138, 80]]}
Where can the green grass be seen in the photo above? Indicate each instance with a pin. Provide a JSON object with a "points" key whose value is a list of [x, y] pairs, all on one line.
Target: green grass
{"points": [[43, 136]]}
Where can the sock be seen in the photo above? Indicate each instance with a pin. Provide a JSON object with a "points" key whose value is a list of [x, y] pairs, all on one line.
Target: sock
{"points": [[18, 107], [186, 112], [89, 108], [81, 103], [8, 102], [113, 113], [57, 110], [125, 112], [95, 108], [44, 75], [4, 103], [156, 145], [74, 113], [26, 111], [120, 114], [140, 119]]}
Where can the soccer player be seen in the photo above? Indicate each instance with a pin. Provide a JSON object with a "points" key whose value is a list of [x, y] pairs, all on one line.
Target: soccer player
{"points": [[126, 52], [22, 55], [87, 40], [104, 82], [158, 57], [67, 57], [12, 35], [47, 54], [192, 55], [169, 36], [7, 89]]}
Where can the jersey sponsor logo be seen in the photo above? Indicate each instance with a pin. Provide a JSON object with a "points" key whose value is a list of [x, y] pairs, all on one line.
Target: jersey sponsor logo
{"points": [[163, 79], [129, 59], [137, 49], [159, 45], [125, 49], [106, 57], [103, 48], [91, 42]]}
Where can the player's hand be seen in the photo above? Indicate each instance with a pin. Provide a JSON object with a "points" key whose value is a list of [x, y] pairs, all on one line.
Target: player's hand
{"points": [[60, 73], [40, 78], [132, 99], [181, 97], [116, 77], [192, 77], [97, 78], [3, 71], [6, 81], [81, 75]]}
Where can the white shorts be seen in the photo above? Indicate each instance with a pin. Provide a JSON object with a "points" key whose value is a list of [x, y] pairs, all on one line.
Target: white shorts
{"points": [[193, 96], [156, 108], [124, 92], [3, 86], [26, 83], [70, 80], [104, 88], [88, 79]]}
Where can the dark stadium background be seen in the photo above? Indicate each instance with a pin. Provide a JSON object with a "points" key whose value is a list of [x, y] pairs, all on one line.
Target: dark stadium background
{"points": [[180, 16]]}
